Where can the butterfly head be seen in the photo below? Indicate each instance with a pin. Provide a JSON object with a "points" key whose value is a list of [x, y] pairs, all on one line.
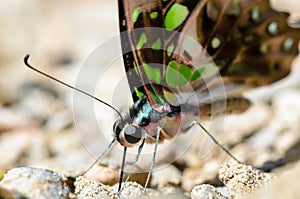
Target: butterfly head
{"points": [[127, 134]]}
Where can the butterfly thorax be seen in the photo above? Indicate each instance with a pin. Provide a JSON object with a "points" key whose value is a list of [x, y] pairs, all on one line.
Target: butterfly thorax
{"points": [[142, 122]]}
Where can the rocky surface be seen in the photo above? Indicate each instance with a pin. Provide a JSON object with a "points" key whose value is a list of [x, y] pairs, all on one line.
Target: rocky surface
{"points": [[37, 126], [242, 179], [34, 183]]}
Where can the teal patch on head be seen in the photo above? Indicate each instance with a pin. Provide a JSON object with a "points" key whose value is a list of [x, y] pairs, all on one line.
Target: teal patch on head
{"points": [[153, 15], [197, 73], [171, 74], [152, 73], [139, 94], [156, 45], [273, 28], [288, 44], [136, 14], [175, 16], [145, 112], [255, 15], [142, 41], [216, 42], [184, 74]]}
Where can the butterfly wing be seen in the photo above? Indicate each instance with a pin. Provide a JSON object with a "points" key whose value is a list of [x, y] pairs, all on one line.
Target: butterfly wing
{"points": [[250, 43], [147, 63]]}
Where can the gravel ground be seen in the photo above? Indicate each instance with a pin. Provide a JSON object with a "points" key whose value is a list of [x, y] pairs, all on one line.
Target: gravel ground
{"points": [[41, 141]]}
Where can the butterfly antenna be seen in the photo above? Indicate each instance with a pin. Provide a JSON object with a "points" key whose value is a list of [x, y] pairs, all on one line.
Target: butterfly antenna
{"points": [[26, 58]]}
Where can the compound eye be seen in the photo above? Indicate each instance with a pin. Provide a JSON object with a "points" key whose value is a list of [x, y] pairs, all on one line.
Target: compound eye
{"points": [[118, 126], [132, 134]]}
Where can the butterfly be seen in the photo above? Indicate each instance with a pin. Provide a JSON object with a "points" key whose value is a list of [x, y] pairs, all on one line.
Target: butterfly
{"points": [[174, 83], [188, 60]]}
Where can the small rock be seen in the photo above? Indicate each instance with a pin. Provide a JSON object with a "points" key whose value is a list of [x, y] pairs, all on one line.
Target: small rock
{"points": [[206, 191], [109, 175], [40, 105], [286, 108], [194, 176], [237, 127], [223, 191], [35, 183], [85, 188], [166, 174], [190, 178], [286, 185], [104, 174], [59, 120], [170, 192], [133, 190], [13, 119], [241, 179], [22, 146]]}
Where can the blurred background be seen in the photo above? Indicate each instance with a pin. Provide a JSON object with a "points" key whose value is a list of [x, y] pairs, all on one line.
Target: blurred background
{"points": [[36, 115], [36, 118]]}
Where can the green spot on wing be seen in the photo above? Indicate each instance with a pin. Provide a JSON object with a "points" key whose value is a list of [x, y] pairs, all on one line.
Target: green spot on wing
{"points": [[263, 48], [288, 43], [175, 16], [142, 41], [171, 74], [184, 74], [135, 68], [139, 94], [216, 42], [156, 45], [255, 14], [234, 8], [136, 14], [153, 15], [152, 73], [171, 97], [273, 28], [197, 73], [170, 50]]}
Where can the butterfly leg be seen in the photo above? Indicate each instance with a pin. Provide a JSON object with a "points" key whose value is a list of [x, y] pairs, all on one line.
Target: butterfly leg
{"points": [[135, 161], [153, 157], [214, 140], [122, 168]]}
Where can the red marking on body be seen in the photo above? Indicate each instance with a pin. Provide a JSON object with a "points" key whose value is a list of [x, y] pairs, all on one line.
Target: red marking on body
{"points": [[165, 133]]}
